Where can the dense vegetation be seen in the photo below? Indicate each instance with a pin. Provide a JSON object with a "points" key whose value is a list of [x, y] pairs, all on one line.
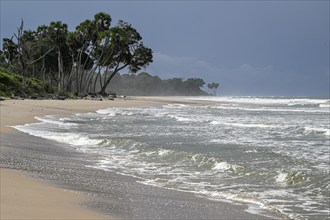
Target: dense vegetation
{"points": [[74, 61], [145, 84], [11, 84], [52, 59]]}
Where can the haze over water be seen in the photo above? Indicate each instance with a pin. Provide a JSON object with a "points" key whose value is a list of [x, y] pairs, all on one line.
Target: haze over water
{"points": [[271, 153]]}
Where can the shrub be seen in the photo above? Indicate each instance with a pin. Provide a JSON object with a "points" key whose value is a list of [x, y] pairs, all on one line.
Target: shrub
{"points": [[10, 80], [35, 85]]}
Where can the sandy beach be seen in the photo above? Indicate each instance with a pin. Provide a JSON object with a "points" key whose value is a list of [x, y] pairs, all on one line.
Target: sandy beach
{"points": [[31, 195], [25, 197]]}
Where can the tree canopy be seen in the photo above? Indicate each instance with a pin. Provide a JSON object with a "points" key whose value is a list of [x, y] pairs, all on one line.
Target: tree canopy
{"points": [[213, 87], [74, 61]]}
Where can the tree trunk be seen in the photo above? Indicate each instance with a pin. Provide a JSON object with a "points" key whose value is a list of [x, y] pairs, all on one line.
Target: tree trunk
{"points": [[104, 87], [95, 81], [59, 72], [117, 69]]}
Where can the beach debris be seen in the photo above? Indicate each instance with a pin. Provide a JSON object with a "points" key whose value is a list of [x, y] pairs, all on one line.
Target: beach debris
{"points": [[16, 97], [61, 97]]}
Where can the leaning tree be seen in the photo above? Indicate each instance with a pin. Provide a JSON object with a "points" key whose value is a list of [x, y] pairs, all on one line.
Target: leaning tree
{"points": [[100, 51], [127, 50]]}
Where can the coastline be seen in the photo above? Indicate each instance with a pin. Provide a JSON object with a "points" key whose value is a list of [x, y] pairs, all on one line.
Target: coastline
{"points": [[17, 187], [17, 112]]}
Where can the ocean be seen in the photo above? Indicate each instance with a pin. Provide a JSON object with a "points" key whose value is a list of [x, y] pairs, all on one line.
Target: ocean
{"points": [[271, 153]]}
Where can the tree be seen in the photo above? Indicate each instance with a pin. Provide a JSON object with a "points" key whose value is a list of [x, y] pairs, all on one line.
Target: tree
{"points": [[216, 85], [209, 86], [76, 61], [3, 61], [56, 34], [193, 85], [84, 50], [125, 45], [99, 52], [213, 86], [23, 53]]}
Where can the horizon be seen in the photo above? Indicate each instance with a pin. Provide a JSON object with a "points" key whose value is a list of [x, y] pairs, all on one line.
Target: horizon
{"points": [[251, 48]]}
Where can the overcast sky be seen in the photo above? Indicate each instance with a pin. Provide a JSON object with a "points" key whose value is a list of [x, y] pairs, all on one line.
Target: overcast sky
{"points": [[249, 47]]}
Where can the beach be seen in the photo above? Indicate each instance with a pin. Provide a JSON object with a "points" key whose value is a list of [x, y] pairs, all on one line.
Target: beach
{"points": [[42, 179], [32, 196]]}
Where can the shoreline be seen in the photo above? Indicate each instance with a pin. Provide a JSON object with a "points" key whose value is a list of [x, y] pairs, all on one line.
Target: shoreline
{"points": [[14, 190], [17, 112]]}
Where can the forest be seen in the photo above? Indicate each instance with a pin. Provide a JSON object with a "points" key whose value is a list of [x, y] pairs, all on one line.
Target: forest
{"points": [[145, 84], [88, 60]]}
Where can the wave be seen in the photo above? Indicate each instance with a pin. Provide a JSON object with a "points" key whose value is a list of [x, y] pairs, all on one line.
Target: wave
{"points": [[74, 139], [324, 131], [291, 178], [112, 112], [294, 101], [187, 118], [229, 158], [268, 109], [325, 105], [132, 156], [55, 120], [224, 166], [175, 106], [243, 125]]}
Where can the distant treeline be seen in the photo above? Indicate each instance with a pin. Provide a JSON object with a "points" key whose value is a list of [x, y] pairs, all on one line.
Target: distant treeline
{"points": [[146, 84]]}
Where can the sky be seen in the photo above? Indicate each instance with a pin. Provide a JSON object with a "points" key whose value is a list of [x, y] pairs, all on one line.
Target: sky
{"points": [[252, 48]]}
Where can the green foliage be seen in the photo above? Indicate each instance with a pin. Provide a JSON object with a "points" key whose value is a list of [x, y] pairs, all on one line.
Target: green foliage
{"points": [[10, 83], [9, 79], [36, 85]]}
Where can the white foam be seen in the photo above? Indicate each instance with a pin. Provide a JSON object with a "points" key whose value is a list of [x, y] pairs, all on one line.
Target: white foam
{"points": [[164, 152], [112, 112], [193, 171], [68, 138], [223, 166], [265, 100], [245, 125], [50, 119], [176, 106], [269, 109], [325, 105], [325, 131], [281, 177], [183, 119]]}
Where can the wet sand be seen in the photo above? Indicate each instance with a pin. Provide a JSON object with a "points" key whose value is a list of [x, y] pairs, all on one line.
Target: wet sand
{"points": [[42, 179]]}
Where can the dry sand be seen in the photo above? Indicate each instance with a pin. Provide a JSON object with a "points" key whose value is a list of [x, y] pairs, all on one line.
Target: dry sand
{"points": [[23, 197]]}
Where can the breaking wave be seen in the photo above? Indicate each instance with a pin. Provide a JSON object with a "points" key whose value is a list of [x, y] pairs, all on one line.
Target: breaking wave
{"points": [[270, 152]]}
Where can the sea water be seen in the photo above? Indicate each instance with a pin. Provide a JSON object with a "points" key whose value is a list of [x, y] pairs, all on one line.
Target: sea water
{"points": [[268, 152]]}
